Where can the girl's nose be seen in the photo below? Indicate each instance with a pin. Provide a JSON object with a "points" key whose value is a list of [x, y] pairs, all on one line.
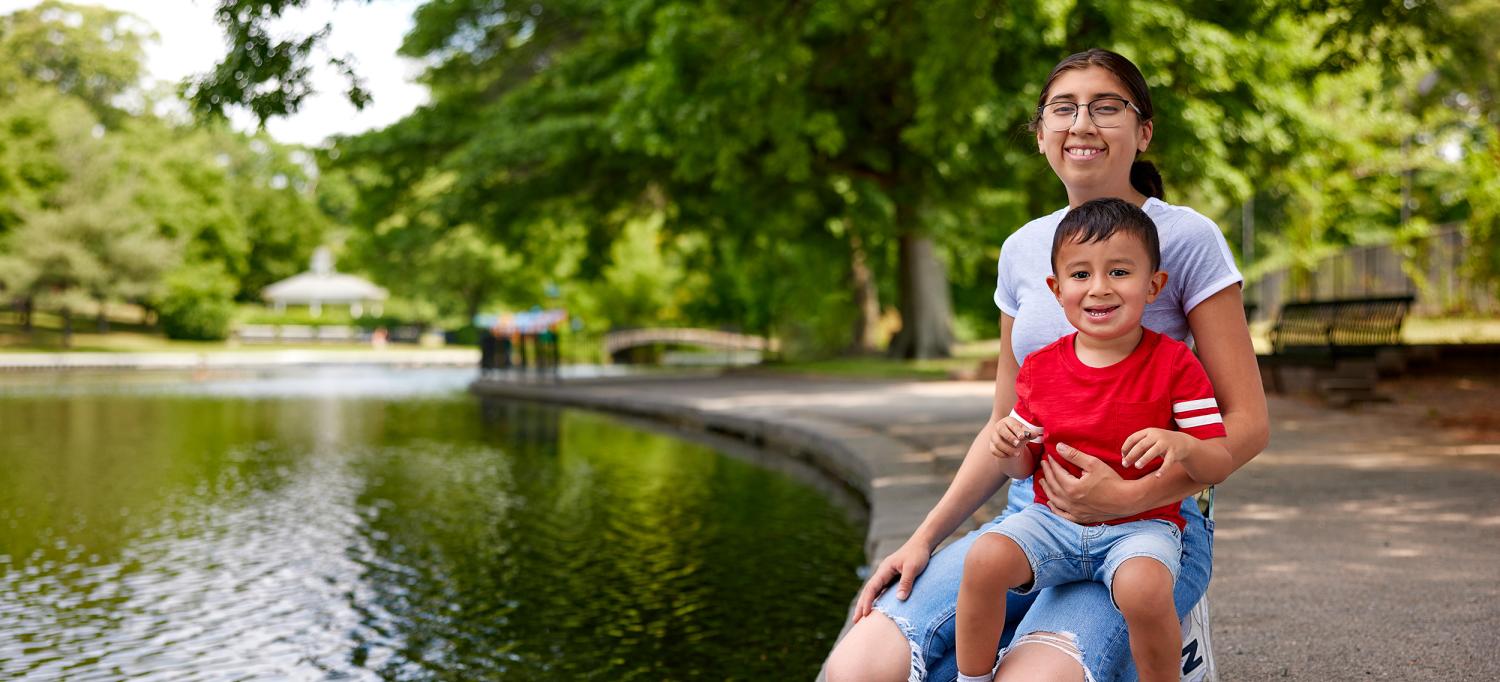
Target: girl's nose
{"points": [[1083, 122]]}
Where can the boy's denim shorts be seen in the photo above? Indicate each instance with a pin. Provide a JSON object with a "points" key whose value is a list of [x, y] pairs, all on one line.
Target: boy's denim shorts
{"points": [[1061, 551], [1081, 611]]}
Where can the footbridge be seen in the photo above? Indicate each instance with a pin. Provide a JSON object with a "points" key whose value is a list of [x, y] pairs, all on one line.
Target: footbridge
{"points": [[614, 342]]}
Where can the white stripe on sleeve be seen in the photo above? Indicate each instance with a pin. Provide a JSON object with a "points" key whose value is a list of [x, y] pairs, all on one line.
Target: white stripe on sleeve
{"points": [[1188, 405], [1029, 426], [1200, 420]]}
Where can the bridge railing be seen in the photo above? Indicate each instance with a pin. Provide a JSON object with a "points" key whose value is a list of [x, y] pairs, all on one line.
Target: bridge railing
{"points": [[615, 342]]}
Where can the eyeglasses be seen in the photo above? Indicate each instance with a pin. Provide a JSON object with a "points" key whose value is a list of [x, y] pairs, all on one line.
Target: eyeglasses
{"points": [[1105, 112]]}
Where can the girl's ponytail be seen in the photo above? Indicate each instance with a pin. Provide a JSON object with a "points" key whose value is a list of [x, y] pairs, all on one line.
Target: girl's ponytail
{"points": [[1145, 179]]}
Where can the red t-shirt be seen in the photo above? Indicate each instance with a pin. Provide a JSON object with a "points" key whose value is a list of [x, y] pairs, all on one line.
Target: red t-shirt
{"points": [[1094, 409]]}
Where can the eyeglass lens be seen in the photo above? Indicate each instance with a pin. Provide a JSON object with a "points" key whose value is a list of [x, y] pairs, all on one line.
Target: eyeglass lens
{"points": [[1106, 112]]}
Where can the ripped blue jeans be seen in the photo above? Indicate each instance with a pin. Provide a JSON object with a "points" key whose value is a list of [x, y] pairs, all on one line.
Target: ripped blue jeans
{"points": [[1083, 610]]}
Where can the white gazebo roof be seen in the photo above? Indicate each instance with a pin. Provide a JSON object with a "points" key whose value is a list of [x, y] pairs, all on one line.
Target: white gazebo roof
{"points": [[323, 285]]}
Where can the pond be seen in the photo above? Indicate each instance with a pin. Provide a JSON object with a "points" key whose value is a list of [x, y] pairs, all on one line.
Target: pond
{"points": [[367, 523]]}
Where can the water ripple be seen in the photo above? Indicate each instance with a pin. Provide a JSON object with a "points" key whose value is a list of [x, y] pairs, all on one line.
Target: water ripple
{"points": [[376, 539]]}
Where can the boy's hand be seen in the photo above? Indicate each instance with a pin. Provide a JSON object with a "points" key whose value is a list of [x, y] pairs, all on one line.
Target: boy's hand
{"points": [[1148, 444], [1008, 438]]}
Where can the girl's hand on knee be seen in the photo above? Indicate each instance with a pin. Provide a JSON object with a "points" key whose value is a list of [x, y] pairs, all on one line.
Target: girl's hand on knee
{"points": [[908, 562]]}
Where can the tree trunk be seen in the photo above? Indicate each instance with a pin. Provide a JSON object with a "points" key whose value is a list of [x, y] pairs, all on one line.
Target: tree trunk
{"points": [[67, 329], [473, 302], [926, 311], [102, 323], [866, 299], [26, 307]]}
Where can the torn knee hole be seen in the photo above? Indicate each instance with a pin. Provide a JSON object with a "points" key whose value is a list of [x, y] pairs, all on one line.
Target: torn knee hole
{"points": [[1066, 642], [918, 663]]}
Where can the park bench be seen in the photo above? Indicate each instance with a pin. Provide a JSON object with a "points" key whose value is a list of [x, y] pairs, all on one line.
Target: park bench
{"points": [[297, 333], [336, 334], [1341, 341], [256, 333], [406, 333]]}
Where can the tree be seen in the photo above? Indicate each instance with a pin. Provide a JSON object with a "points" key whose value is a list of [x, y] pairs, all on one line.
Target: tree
{"points": [[457, 269], [91, 53], [89, 242], [750, 123]]}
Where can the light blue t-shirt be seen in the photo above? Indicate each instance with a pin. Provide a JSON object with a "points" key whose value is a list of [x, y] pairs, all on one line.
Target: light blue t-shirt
{"points": [[1194, 255]]}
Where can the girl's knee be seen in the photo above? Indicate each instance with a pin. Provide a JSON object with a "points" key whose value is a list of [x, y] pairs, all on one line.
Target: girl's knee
{"points": [[1043, 656], [874, 649]]}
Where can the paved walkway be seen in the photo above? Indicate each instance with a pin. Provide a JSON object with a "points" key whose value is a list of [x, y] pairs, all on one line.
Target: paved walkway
{"points": [[1360, 545]]}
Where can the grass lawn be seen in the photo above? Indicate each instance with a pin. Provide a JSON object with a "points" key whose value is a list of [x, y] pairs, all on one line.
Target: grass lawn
{"points": [[967, 356], [1415, 331], [130, 337]]}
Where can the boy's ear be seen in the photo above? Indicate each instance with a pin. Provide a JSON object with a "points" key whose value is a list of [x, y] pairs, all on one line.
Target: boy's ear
{"points": [[1052, 284], [1158, 282]]}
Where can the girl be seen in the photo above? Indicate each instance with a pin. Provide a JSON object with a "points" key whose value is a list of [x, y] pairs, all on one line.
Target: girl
{"points": [[1093, 118]]}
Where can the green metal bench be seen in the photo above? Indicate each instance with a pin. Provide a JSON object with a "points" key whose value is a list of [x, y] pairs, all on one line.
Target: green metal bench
{"points": [[1340, 339]]}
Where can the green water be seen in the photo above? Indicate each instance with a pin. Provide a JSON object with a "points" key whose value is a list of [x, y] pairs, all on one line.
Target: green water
{"points": [[368, 524]]}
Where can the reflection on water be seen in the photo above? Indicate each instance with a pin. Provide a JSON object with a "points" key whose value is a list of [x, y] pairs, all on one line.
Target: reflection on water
{"points": [[382, 524]]}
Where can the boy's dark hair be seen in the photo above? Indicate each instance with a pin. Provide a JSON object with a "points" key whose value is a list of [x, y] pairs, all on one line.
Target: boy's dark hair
{"points": [[1100, 219]]}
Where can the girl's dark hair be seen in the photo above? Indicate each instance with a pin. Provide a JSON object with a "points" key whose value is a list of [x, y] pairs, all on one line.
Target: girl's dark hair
{"points": [[1143, 175], [1100, 219]]}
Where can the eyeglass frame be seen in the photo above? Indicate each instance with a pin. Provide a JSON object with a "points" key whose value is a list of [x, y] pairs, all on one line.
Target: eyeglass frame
{"points": [[1041, 119]]}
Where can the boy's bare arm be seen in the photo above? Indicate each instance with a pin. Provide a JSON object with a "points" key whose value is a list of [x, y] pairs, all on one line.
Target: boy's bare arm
{"points": [[1210, 462]]}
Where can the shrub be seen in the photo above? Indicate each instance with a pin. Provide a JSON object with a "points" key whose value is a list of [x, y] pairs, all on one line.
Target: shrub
{"points": [[197, 304]]}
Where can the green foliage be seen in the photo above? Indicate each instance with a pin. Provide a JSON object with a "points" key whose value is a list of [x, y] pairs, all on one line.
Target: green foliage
{"points": [[87, 241], [99, 197], [1483, 227], [86, 52], [262, 71], [743, 131], [29, 167], [197, 304]]}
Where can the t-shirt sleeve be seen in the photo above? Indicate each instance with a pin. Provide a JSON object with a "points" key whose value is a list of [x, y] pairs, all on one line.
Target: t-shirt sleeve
{"points": [[1194, 407], [1006, 296], [1205, 263], [1022, 412]]}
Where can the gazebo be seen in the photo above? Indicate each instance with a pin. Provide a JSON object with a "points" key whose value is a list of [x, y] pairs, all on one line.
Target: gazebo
{"points": [[322, 286]]}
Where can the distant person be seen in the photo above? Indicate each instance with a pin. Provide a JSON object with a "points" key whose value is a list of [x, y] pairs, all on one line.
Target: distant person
{"points": [[1094, 116], [1111, 387]]}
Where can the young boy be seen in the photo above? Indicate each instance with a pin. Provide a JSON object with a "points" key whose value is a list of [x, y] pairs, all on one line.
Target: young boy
{"points": [[1112, 387]]}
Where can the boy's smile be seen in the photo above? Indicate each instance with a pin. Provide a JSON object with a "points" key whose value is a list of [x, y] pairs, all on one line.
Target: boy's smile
{"points": [[1104, 287]]}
